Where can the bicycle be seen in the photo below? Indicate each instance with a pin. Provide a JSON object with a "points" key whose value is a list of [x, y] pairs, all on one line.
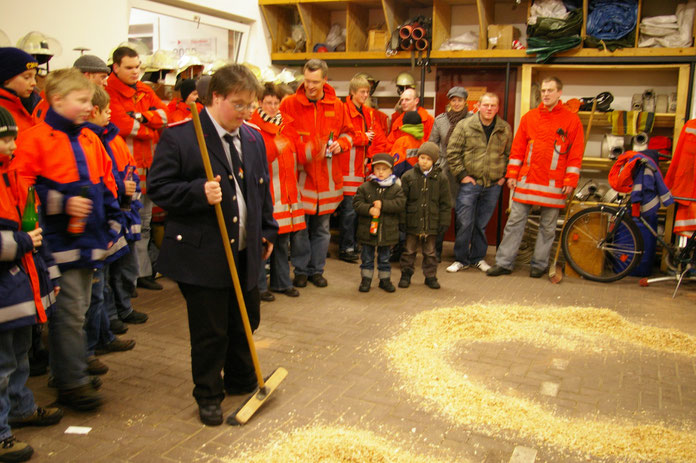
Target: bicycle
{"points": [[603, 243]]}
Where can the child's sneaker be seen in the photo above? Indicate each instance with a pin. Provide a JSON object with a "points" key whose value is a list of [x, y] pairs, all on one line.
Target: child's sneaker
{"points": [[365, 285], [456, 266], [386, 284], [482, 265], [13, 450], [431, 282]]}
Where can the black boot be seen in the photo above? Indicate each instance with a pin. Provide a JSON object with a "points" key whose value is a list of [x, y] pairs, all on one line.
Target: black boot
{"points": [[405, 280], [365, 285], [386, 284]]}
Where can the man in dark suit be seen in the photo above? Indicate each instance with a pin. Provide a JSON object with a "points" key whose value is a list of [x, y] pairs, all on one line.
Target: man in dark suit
{"points": [[192, 252]]}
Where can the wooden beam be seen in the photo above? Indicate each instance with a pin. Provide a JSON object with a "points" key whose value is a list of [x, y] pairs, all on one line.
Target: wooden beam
{"points": [[442, 23], [357, 26], [486, 15]]}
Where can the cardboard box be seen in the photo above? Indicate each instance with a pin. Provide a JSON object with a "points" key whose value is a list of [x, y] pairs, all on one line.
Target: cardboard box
{"points": [[376, 40], [500, 36]]}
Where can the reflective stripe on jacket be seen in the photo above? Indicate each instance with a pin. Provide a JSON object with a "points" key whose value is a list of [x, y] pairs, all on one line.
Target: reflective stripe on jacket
{"points": [[546, 155], [61, 159], [320, 179], [280, 152], [141, 137]]}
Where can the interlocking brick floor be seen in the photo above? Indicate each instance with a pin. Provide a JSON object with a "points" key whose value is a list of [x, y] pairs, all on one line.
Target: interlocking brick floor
{"points": [[328, 340]]}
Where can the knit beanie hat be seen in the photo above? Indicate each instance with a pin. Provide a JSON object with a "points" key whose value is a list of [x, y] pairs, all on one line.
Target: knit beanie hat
{"points": [[412, 117], [431, 149], [187, 86], [91, 63], [8, 126], [383, 158], [13, 62]]}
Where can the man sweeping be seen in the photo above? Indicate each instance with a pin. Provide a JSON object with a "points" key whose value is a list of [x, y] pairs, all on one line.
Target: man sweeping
{"points": [[192, 252]]}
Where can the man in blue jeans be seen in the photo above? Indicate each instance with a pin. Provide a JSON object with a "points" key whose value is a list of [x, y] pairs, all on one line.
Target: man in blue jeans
{"points": [[477, 155]]}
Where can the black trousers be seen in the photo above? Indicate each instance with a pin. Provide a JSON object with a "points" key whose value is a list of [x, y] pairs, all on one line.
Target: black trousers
{"points": [[218, 343]]}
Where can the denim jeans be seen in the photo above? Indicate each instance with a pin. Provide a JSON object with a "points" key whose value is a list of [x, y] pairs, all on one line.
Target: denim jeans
{"points": [[97, 327], [514, 229], [347, 223], [145, 254], [309, 246], [66, 334], [475, 205], [16, 400], [122, 277], [367, 256]]}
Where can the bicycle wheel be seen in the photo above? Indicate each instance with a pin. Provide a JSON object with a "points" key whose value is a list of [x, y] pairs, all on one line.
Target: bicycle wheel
{"points": [[596, 249]]}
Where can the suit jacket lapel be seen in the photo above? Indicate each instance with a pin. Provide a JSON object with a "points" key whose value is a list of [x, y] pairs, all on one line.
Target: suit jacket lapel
{"points": [[213, 141], [248, 147]]}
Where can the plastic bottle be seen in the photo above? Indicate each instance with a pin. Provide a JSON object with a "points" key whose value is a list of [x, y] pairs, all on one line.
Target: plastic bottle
{"points": [[76, 225], [329, 154], [374, 225], [30, 218]]}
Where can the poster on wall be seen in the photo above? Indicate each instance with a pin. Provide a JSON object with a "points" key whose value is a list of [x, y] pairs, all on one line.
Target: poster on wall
{"points": [[205, 48]]}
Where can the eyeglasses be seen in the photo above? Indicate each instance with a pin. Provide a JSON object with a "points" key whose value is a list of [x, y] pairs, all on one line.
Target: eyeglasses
{"points": [[243, 108]]}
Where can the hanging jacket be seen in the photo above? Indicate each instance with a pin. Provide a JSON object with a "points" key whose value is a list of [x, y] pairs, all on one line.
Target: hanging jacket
{"points": [[353, 164], [320, 179], [681, 178], [26, 286], [60, 159], [546, 155], [649, 189], [11, 102], [121, 159], [126, 102], [178, 110], [287, 208], [395, 133]]}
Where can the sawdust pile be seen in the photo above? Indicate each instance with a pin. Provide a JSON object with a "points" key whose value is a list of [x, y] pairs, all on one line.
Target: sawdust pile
{"points": [[330, 444], [420, 355]]}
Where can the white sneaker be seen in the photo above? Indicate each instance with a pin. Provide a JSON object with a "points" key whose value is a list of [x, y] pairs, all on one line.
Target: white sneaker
{"points": [[456, 266], [482, 265]]}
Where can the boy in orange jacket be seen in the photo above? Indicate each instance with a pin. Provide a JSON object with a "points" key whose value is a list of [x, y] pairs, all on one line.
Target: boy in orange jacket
{"points": [[74, 182]]}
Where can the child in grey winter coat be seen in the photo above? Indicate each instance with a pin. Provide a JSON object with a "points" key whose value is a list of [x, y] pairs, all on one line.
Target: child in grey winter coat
{"points": [[379, 203], [428, 213]]}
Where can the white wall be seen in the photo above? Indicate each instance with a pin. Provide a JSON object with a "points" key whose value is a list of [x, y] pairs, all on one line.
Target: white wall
{"points": [[102, 25]]}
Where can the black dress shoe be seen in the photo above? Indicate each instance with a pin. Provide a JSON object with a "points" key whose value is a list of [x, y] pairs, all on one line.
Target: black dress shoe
{"points": [[318, 280], [537, 272], [267, 296], [117, 326], [149, 283], [497, 270], [300, 281], [348, 256], [211, 414], [290, 292]]}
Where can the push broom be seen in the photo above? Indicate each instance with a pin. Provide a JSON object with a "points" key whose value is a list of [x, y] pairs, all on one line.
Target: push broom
{"points": [[556, 269], [268, 386]]}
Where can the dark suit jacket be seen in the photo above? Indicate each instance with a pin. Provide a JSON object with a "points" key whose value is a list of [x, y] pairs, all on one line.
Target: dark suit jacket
{"points": [[192, 250]]}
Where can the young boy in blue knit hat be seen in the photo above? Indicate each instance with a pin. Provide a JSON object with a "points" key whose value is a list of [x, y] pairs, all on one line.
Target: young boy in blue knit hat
{"points": [[26, 298], [379, 203], [17, 82]]}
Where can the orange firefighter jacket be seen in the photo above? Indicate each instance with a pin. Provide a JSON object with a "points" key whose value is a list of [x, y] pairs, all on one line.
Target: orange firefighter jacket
{"points": [[681, 178], [13, 104], [126, 103], [546, 155], [320, 178], [353, 164], [280, 152], [178, 110], [396, 133]]}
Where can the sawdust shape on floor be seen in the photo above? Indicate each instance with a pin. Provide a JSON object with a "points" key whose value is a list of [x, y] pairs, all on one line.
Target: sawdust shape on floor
{"points": [[331, 444], [420, 353]]}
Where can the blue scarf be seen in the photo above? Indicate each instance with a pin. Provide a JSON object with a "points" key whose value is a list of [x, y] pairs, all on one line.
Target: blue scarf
{"points": [[386, 183]]}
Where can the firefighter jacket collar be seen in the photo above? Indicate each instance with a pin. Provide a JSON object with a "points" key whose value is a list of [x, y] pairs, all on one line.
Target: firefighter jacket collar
{"points": [[556, 108], [329, 96], [121, 87], [353, 108], [58, 122]]}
